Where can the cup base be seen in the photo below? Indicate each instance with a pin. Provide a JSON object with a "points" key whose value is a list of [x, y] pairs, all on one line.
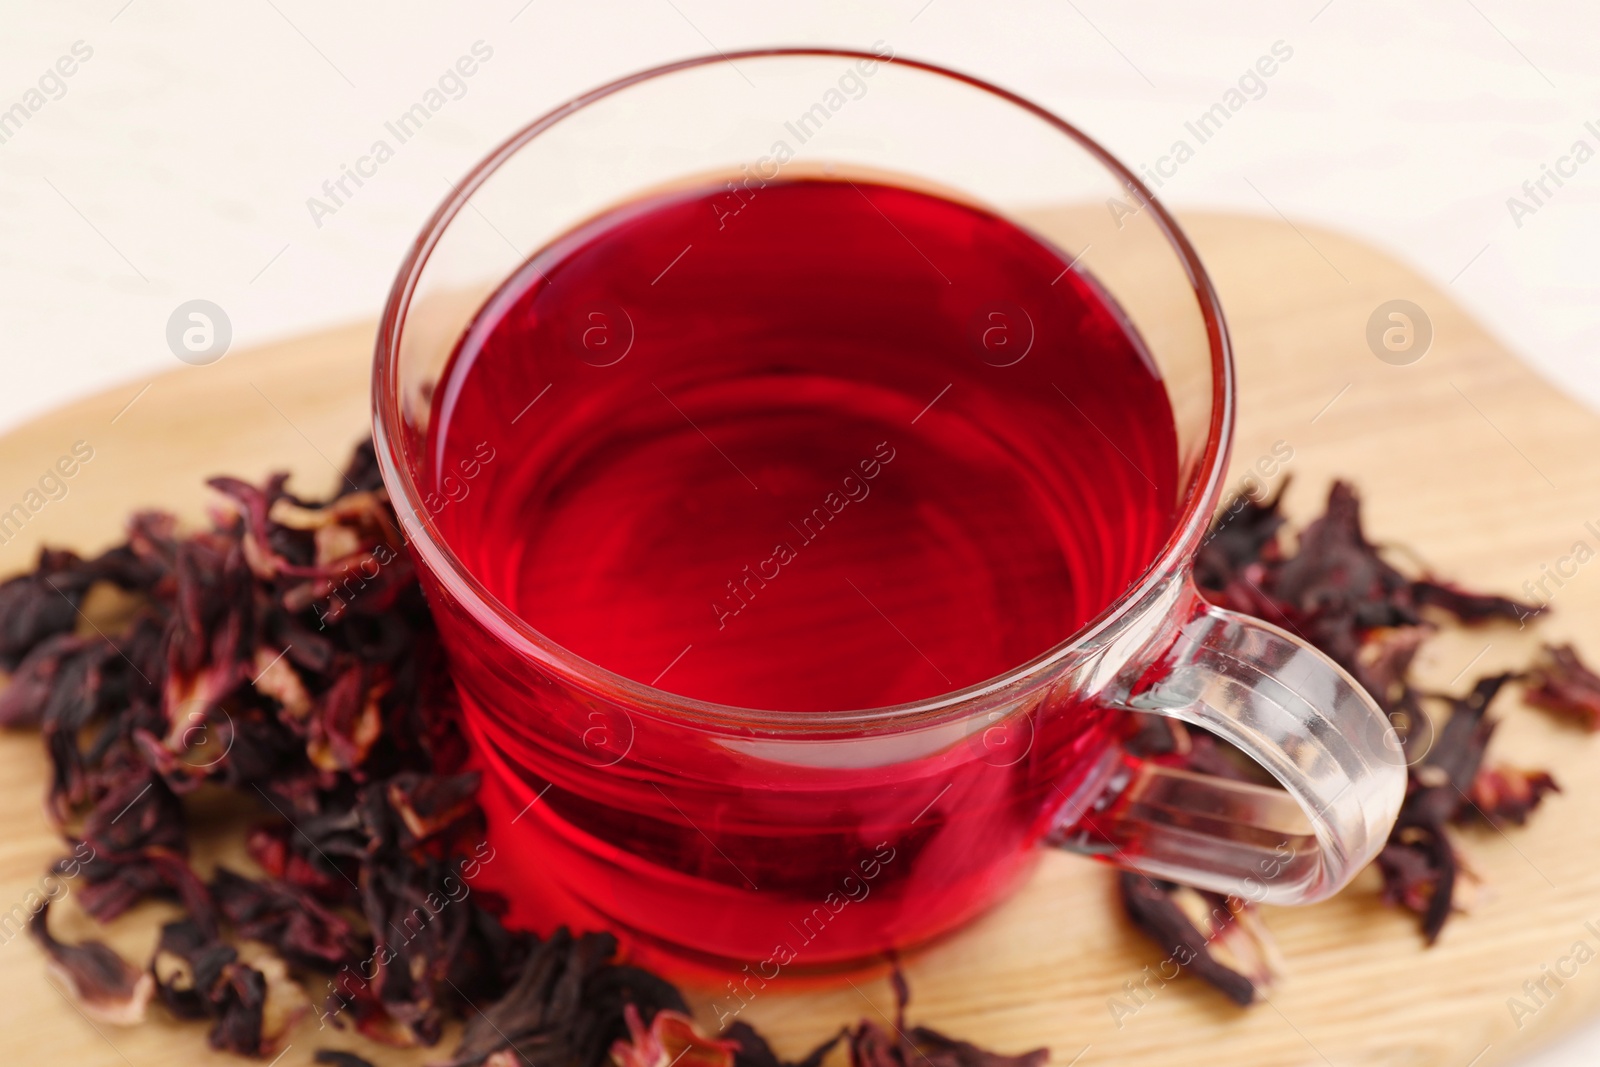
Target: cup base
{"points": [[539, 900]]}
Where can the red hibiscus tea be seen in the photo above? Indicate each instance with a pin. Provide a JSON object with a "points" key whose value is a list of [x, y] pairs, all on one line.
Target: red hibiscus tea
{"points": [[813, 446]]}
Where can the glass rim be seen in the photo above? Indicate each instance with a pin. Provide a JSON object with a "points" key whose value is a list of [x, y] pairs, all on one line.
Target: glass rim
{"points": [[466, 589]]}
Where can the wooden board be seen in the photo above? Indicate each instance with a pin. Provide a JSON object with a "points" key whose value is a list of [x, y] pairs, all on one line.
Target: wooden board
{"points": [[1466, 457]]}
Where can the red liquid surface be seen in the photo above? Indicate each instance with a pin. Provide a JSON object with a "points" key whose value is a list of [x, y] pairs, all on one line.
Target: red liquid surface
{"points": [[823, 445]]}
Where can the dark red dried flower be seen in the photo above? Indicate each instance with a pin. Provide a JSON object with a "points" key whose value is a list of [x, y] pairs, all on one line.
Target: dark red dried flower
{"points": [[40, 604], [1203, 933], [1421, 869], [1470, 607], [1503, 794], [567, 1006], [1245, 535], [752, 1050], [1336, 589], [297, 925], [104, 985], [253, 1005], [871, 1046], [1562, 683], [671, 1037], [269, 846], [115, 882], [431, 805], [257, 1006], [45, 672], [187, 966]]}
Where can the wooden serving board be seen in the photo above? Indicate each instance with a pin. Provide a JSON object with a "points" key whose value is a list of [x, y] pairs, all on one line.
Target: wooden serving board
{"points": [[1466, 457]]}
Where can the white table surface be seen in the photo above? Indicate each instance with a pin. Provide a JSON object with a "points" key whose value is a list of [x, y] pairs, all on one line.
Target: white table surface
{"points": [[177, 162]]}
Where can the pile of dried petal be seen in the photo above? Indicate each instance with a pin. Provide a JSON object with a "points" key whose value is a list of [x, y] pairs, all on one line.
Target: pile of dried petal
{"points": [[1339, 592], [286, 654]]}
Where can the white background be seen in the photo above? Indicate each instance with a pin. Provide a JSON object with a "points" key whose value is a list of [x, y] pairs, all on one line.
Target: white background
{"points": [[179, 160]]}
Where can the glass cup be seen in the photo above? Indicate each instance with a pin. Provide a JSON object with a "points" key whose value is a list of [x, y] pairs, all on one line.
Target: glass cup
{"points": [[788, 840]]}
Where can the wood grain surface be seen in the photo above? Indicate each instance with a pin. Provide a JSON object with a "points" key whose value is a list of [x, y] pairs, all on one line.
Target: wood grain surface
{"points": [[1466, 457]]}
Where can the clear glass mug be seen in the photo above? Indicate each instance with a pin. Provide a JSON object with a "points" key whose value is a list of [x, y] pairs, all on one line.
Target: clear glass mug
{"points": [[736, 836]]}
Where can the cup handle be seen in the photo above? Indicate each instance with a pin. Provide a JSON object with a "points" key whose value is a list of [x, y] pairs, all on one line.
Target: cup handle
{"points": [[1292, 710]]}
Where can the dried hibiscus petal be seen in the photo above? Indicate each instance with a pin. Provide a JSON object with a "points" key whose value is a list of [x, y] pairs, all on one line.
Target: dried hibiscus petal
{"points": [[1420, 870], [105, 986], [264, 557], [429, 804], [1217, 939], [291, 920], [670, 1038], [270, 847], [39, 678], [140, 812], [253, 1003], [752, 1050], [274, 676], [1562, 683], [413, 925], [348, 719], [1471, 607], [39, 604], [189, 965], [934, 1048], [1420, 866], [871, 1046], [567, 1006], [1503, 794], [362, 517], [257, 1004], [73, 704], [115, 882], [1458, 751], [1339, 576], [1237, 539]]}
